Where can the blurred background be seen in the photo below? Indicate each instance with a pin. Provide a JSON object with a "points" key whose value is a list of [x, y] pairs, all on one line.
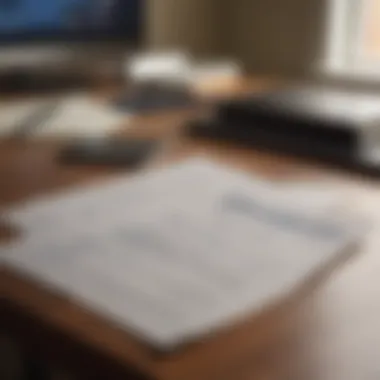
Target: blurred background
{"points": [[75, 72]]}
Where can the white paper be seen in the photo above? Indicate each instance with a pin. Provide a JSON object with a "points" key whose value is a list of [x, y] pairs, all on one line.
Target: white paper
{"points": [[176, 253], [81, 116], [14, 114]]}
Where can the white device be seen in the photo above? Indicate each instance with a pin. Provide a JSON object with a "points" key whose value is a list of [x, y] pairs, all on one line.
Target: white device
{"points": [[172, 68]]}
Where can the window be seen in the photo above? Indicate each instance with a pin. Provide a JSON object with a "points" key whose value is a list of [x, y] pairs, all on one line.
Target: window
{"points": [[353, 37], [370, 35]]}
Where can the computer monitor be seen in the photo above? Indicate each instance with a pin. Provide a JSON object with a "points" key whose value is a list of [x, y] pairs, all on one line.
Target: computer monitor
{"points": [[38, 21], [43, 42]]}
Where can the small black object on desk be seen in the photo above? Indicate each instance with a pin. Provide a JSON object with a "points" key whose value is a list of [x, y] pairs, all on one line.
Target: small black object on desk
{"points": [[155, 97], [23, 81], [130, 153]]}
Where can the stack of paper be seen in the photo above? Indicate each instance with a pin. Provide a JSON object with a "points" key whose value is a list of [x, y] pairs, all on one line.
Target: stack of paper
{"points": [[179, 252], [14, 115], [81, 116]]}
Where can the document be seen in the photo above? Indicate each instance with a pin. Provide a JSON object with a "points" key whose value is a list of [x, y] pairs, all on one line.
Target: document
{"points": [[14, 115], [176, 253], [80, 116]]}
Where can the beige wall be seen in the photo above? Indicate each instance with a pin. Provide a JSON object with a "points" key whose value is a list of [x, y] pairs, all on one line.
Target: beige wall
{"points": [[189, 24], [279, 35], [267, 35]]}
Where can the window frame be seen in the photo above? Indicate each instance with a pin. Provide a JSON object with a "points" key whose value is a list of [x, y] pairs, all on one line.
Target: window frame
{"points": [[344, 36]]}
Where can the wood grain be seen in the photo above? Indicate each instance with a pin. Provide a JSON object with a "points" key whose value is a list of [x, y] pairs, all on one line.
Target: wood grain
{"points": [[329, 333]]}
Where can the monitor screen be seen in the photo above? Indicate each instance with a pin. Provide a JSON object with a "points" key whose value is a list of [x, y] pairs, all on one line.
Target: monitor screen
{"points": [[36, 20]]}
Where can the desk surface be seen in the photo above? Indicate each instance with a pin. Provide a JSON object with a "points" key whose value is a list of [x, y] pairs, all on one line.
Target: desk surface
{"points": [[333, 334]]}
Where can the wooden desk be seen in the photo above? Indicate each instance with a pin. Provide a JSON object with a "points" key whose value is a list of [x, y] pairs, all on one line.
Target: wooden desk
{"points": [[334, 334]]}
